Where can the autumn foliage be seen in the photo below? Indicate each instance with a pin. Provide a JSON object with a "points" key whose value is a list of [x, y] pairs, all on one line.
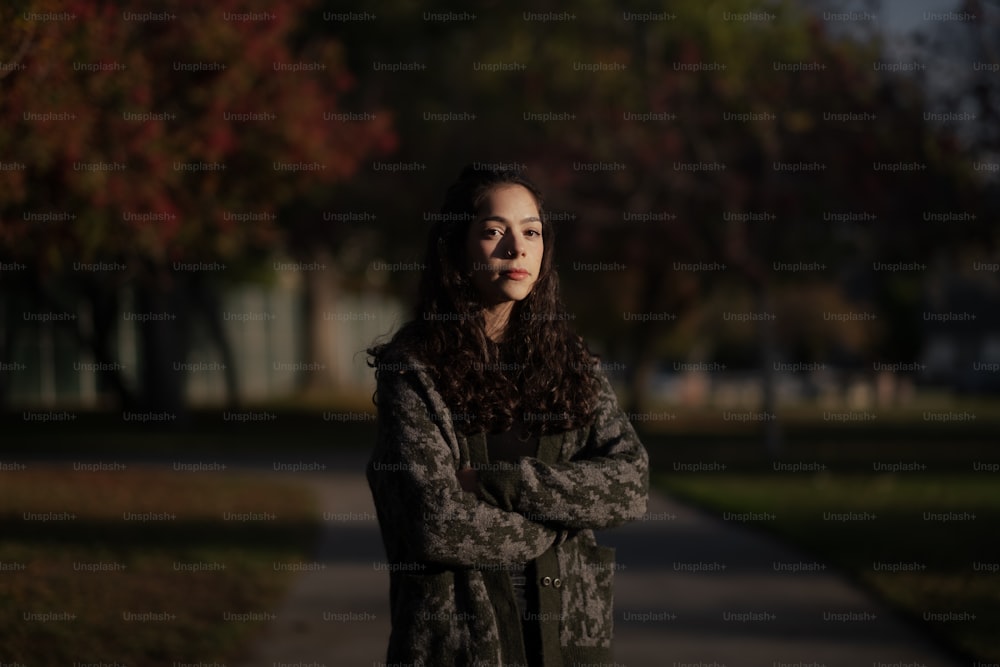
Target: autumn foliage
{"points": [[145, 137]]}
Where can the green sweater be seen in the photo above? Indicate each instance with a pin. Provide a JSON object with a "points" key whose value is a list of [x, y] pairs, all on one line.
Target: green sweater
{"points": [[450, 595]]}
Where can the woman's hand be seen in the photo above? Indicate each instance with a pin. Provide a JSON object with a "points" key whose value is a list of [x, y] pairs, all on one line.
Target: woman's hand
{"points": [[468, 479]]}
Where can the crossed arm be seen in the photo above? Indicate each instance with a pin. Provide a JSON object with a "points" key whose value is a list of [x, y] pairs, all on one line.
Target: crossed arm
{"points": [[512, 515], [605, 484]]}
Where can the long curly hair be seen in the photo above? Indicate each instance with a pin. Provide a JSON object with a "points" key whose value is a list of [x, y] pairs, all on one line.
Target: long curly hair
{"points": [[541, 373]]}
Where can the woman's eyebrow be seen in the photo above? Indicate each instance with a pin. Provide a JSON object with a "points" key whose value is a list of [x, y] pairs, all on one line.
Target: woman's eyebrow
{"points": [[500, 218]]}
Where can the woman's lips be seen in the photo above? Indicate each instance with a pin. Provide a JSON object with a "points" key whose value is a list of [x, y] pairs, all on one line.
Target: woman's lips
{"points": [[515, 274]]}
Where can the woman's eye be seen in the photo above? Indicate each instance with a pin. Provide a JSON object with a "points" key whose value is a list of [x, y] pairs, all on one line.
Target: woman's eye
{"points": [[492, 233], [532, 232]]}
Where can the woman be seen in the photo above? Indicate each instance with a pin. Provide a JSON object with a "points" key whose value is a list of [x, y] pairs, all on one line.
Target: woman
{"points": [[500, 448]]}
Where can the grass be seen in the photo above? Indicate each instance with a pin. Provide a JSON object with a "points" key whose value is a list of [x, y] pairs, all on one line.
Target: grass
{"points": [[203, 433], [848, 449], [100, 587], [804, 505]]}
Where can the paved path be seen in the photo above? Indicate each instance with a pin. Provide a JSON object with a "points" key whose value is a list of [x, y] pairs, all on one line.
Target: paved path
{"points": [[666, 614], [702, 613]]}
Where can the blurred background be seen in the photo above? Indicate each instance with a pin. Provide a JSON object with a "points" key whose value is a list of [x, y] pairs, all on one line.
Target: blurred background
{"points": [[777, 223], [696, 165]]}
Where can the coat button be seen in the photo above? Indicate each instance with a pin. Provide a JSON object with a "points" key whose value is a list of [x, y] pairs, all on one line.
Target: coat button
{"points": [[557, 582], [546, 581]]}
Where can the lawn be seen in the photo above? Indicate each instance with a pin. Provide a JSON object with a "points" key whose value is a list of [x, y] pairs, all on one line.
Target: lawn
{"points": [[937, 530], [144, 566]]}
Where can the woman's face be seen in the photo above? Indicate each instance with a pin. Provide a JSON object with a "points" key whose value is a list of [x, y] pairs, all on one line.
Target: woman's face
{"points": [[504, 246]]}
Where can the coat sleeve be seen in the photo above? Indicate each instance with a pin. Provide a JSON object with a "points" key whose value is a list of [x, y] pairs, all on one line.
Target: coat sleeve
{"points": [[604, 485], [416, 491]]}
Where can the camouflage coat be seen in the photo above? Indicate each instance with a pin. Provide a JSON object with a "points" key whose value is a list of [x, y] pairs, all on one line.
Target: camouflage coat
{"points": [[451, 598]]}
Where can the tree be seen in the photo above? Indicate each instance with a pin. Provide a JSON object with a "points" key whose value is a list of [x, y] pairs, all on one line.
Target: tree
{"points": [[156, 150], [727, 92]]}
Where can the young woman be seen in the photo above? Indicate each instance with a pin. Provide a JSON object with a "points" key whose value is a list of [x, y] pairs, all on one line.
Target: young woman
{"points": [[500, 448]]}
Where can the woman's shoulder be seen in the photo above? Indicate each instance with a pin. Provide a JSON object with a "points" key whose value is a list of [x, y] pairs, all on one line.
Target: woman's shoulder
{"points": [[405, 382], [397, 355], [395, 360], [400, 371]]}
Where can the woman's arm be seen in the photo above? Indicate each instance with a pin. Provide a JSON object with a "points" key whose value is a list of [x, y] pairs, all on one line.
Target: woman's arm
{"points": [[606, 483], [412, 475]]}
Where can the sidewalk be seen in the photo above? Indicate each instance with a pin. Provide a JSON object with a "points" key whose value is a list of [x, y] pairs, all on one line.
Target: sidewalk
{"points": [[744, 608], [691, 591]]}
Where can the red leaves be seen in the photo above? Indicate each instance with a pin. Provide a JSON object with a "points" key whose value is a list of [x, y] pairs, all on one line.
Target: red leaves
{"points": [[176, 114]]}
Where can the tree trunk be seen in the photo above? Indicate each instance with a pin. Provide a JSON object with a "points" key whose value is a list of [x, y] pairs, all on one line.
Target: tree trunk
{"points": [[6, 345], [640, 369], [164, 342], [322, 333], [209, 305], [767, 338], [105, 316]]}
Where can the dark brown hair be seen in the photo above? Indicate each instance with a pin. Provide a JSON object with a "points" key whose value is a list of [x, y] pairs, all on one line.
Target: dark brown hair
{"points": [[541, 371]]}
